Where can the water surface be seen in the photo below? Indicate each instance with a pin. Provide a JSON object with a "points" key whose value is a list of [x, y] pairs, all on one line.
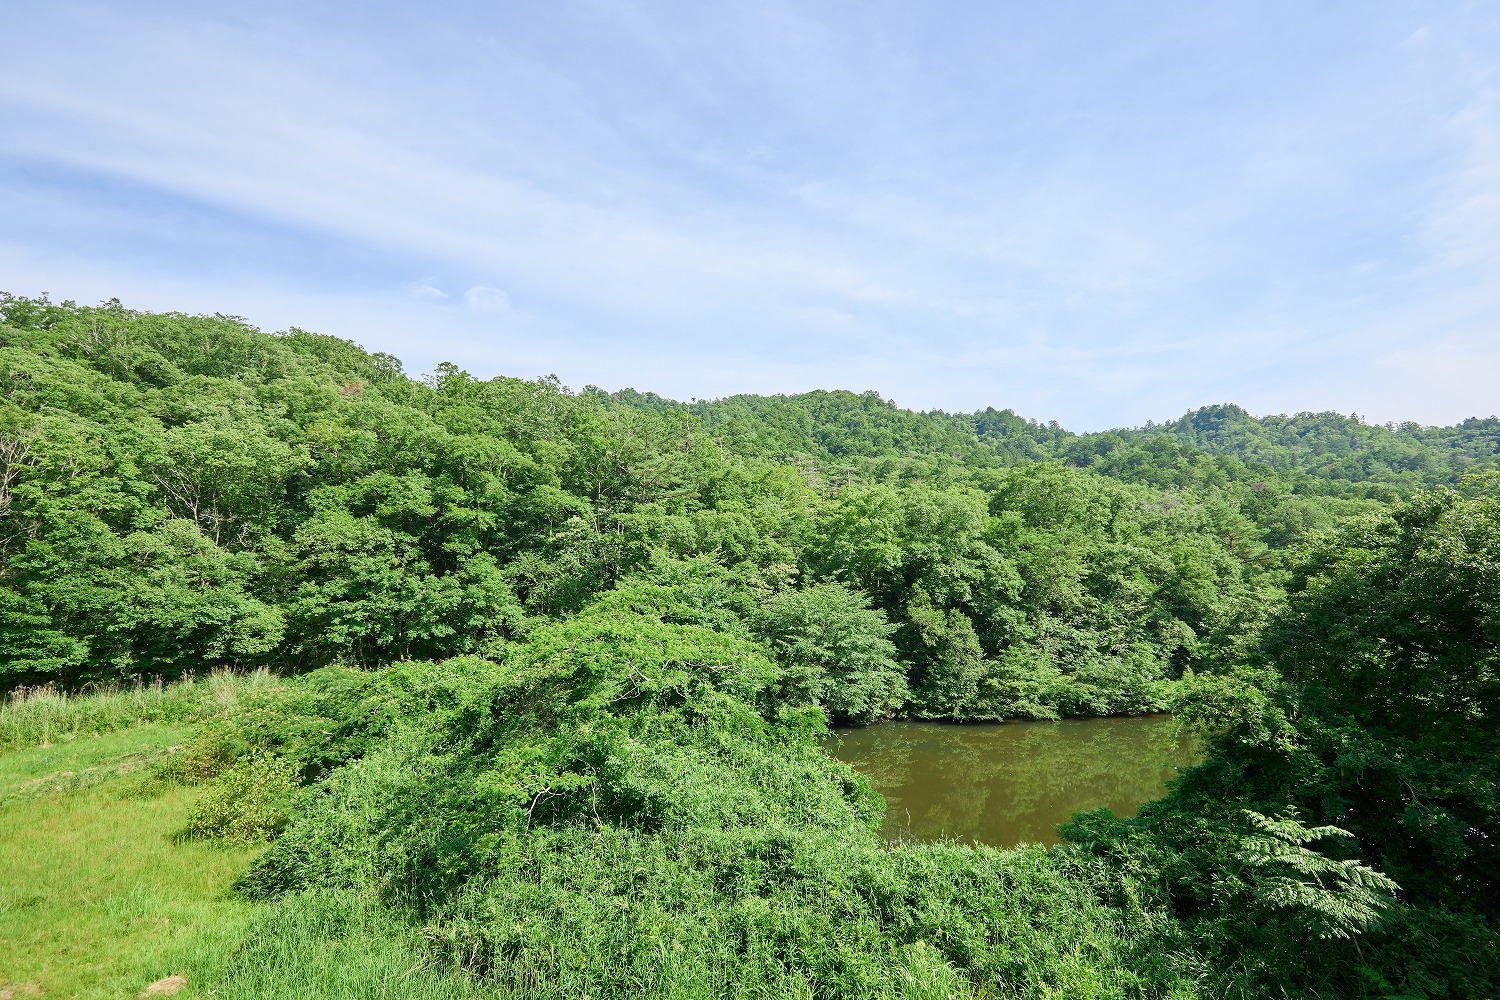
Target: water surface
{"points": [[1013, 782]]}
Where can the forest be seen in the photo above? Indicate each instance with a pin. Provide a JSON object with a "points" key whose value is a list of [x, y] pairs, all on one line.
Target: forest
{"points": [[504, 689]]}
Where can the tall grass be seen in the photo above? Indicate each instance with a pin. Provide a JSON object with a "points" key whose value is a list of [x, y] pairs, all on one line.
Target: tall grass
{"points": [[338, 946], [44, 715], [347, 945]]}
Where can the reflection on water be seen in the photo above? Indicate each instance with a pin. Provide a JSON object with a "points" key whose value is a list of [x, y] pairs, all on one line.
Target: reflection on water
{"points": [[1013, 782]]}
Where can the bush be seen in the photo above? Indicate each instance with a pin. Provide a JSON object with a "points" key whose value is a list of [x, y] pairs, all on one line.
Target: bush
{"points": [[631, 807], [246, 803]]}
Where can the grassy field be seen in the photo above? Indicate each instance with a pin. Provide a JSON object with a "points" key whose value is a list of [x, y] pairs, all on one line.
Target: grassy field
{"points": [[83, 763], [98, 895]]}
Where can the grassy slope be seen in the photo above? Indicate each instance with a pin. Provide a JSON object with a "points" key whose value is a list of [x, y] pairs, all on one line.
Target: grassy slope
{"points": [[97, 896], [77, 764]]}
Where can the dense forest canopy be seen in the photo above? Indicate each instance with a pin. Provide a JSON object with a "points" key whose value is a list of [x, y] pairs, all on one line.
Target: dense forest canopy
{"points": [[1313, 453], [558, 664], [185, 492]]}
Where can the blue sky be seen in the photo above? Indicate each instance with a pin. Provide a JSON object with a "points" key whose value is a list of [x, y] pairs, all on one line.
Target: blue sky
{"points": [[1096, 213]]}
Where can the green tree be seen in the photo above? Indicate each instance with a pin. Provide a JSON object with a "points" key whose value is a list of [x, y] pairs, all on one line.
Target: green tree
{"points": [[834, 650]]}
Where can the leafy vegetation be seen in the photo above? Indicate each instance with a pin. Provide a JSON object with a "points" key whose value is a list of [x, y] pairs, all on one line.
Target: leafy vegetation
{"points": [[1337, 899], [522, 690], [185, 494], [1367, 706]]}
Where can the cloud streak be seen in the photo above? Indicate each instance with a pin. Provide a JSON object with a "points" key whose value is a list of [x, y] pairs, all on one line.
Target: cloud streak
{"points": [[1093, 220]]}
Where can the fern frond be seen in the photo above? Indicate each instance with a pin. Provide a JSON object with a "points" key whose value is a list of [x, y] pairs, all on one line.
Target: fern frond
{"points": [[1337, 899]]}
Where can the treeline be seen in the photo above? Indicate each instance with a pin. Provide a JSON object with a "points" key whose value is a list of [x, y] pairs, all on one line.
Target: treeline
{"points": [[182, 493], [1321, 454], [1342, 450]]}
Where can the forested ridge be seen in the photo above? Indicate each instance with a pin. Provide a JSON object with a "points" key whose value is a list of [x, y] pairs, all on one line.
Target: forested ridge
{"points": [[183, 492], [554, 668], [1311, 453]]}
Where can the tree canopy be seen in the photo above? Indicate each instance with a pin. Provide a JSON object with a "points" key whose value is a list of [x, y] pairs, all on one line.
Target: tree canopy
{"points": [[557, 666]]}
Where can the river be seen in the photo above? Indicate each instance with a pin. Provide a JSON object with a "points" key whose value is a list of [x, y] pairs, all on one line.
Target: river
{"points": [[1013, 782]]}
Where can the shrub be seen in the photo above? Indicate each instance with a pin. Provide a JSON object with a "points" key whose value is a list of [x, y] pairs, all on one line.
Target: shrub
{"points": [[246, 803]]}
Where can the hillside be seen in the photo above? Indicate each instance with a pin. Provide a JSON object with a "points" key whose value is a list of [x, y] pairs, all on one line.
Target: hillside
{"points": [[186, 493], [1311, 453], [494, 689]]}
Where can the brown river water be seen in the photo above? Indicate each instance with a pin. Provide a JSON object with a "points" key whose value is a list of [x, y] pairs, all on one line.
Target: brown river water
{"points": [[1012, 782]]}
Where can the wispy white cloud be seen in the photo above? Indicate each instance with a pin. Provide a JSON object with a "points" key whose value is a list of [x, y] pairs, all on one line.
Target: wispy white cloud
{"points": [[483, 298], [426, 290], [1101, 219]]}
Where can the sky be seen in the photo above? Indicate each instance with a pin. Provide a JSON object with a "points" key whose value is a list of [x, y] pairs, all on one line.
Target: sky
{"points": [[1096, 213]]}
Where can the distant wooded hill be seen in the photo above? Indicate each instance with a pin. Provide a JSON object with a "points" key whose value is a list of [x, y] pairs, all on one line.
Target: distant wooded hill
{"points": [[1321, 453]]}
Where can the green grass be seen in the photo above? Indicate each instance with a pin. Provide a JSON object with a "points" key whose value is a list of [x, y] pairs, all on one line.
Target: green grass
{"points": [[84, 763], [337, 946], [101, 895], [98, 897], [45, 716]]}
